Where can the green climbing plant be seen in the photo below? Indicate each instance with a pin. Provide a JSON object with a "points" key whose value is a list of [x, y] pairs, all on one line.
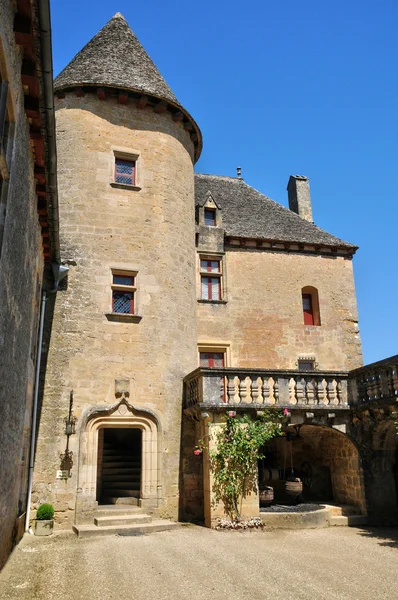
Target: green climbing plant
{"points": [[234, 461]]}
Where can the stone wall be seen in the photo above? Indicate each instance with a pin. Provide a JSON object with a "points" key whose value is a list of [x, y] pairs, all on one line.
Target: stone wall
{"points": [[150, 231], [262, 321], [20, 287]]}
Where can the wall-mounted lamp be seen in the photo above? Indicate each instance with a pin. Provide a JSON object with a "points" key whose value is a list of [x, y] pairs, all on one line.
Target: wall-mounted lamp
{"points": [[70, 420]]}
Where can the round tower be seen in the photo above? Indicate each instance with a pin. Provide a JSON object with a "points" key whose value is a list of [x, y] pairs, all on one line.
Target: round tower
{"points": [[124, 326]]}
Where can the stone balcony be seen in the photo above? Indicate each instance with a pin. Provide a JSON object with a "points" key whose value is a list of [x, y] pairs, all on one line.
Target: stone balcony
{"points": [[212, 389], [376, 383]]}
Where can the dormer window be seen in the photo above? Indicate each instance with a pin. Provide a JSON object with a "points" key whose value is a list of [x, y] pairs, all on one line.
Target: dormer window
{"points": [[210, 217]]}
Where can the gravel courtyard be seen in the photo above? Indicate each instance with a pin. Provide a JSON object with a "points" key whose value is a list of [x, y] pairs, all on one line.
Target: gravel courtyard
{"points": [[192, 563]]}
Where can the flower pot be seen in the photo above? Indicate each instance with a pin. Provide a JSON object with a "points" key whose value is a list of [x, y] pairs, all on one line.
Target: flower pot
{"points": [[294, 487], [266, 496], [43, 527]]}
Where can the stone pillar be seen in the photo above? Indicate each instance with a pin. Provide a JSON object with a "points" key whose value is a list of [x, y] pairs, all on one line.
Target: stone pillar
{"points": [[249, 506]]}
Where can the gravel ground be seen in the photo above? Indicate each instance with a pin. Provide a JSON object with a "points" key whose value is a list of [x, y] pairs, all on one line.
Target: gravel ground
{"points": [[193, 563]]}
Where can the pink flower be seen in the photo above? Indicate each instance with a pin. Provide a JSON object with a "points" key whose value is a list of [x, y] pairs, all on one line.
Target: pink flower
{"points": [[285, 411], [231, 413], [197, 452]]}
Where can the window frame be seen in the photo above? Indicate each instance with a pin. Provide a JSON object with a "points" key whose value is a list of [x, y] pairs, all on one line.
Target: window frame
{"points": [[134, 171], [311, 316], [215, 348], [127, 155], [206, 272], [213, 213], [133, 289]]}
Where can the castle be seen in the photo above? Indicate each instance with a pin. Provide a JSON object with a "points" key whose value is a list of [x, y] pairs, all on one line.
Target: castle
{"points": [[178, 296]]}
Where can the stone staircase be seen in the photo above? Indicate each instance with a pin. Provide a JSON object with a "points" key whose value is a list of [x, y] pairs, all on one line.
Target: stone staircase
{"points": [[344, 515], [120, 475], [122, 520]]}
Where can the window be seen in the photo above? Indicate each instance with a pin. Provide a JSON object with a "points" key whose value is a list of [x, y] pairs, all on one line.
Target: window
{"points": [[212, 360], [210, 217], [123, 292], [306, 364], [310, 303], [210, 279], [307, 310], [125, 171]]}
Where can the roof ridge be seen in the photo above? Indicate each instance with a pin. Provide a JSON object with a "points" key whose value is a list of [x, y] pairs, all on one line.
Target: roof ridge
{"points": [[247, 212], [218, 176]]}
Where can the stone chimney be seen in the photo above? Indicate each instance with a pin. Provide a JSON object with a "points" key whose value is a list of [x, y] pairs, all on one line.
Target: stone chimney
{"points": [[298, 189]]}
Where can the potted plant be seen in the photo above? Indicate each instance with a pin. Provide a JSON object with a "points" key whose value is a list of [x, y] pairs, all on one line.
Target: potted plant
{"points": [[44, 520]]}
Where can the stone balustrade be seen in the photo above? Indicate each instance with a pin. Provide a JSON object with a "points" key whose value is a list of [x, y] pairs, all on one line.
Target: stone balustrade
{"points": [[258, 388], [377, 381]]}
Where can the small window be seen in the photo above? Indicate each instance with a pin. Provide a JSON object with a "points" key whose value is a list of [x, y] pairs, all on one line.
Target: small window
{"points": [[125, 171], [212, 360], [306, 365], [123, 292], [210, 217], [210, 279], [310, 304], [308, 310]]}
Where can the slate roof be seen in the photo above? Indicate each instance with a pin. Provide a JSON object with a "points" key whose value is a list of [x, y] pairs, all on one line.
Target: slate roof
{"points": [[115, 58], [248, 213]]}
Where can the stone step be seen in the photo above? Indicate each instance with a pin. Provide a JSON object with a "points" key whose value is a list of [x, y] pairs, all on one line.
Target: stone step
{"points": [[126, 519], [119, 485], [105, 510], [139, 529], [123, 464], [119, 493], [122, 500], [122, 457], [121, 477], [337, 510], [122, 469], [348, 520]]}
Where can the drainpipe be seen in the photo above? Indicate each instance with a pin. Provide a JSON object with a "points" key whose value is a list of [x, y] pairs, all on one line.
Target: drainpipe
{"points": [[34, 416], [60, 272], [48, 93]]}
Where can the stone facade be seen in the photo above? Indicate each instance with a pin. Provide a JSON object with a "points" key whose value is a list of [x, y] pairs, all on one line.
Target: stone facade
{"points": [[148, 231], [262, 320], [21, 274]]}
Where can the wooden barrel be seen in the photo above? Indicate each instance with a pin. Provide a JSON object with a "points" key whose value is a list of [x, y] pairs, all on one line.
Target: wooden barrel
{"points": [[293, 486], [274, 474], [266, 496], [267, 474]]}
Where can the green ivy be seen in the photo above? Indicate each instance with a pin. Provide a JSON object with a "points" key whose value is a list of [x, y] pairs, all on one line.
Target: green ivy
{"points": [[234, 462]]}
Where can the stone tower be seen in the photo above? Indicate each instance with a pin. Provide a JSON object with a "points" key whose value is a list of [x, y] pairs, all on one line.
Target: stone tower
{"points": [[125, 322]]}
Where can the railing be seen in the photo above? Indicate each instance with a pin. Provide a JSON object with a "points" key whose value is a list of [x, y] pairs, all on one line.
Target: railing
{"points": [[377, 381], [241, 387]]}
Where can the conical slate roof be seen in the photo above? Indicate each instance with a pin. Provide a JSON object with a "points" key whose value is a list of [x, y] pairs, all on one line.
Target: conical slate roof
{"points": [[115, 58], [248, 213]]}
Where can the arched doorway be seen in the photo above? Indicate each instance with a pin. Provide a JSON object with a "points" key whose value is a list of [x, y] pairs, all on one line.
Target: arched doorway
{"points": [[325, 459], [382, 475], [129, 438]]}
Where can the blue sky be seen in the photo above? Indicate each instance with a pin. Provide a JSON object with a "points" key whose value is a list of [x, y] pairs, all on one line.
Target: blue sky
{"points": [[281, 88]]}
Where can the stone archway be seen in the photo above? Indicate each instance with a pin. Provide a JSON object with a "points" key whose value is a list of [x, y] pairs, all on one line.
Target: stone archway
{"points": [[382, 474], [120, 415], [332, 463]]}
